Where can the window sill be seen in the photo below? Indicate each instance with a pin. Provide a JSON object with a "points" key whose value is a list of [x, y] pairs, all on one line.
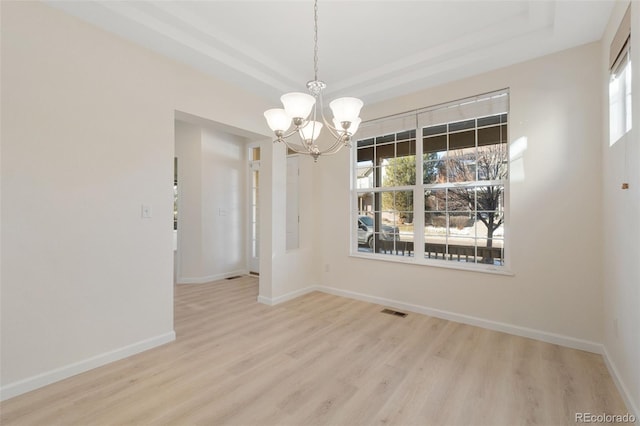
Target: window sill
{"points": [[486, 269]]}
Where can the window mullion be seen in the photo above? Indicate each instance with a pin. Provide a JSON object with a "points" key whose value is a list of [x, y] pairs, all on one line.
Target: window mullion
{"points": [[446, 198], [475, 198], [355, 208], [475, 221], [418, 197]]}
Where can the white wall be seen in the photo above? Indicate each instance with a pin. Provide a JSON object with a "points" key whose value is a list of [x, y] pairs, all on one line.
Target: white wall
{"points": [[188, 150], [287, 274], [87, 138], [555, 211], [212, 198], [621, 232]]}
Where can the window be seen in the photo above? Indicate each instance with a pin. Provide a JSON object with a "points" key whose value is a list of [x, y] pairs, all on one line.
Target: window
{"points": [[386, 175], [465, 169], [620, 81], [620, 99], [439, 198]]}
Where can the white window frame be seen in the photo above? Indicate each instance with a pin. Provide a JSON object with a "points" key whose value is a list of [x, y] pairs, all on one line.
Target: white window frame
{"points": [[620, 87], [253, 224], [620, 81], [418, 257]]}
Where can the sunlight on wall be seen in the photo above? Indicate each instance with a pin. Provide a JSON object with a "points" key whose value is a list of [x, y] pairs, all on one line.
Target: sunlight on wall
{"points": [[516, 156]]}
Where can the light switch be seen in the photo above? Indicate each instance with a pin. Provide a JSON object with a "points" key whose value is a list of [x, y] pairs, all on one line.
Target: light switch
{"points": [[146, 211]]}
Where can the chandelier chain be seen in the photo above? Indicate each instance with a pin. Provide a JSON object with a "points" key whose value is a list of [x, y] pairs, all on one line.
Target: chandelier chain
{"points": [[315, 40]]}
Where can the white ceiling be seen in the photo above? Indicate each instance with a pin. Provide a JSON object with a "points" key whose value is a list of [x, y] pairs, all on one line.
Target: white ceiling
{"points": [[369, 49]]}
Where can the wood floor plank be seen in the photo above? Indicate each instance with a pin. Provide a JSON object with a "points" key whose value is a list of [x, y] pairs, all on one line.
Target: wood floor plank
{"points": [[323, 360]]}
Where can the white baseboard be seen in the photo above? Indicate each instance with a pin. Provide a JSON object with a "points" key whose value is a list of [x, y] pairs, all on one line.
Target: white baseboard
{"points": [[622, 388], [210, 278], [544, 336], [288, 296], [35, 382]]}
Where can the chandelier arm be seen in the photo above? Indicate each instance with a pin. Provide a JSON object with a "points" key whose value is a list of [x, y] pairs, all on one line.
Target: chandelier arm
{"points": [[336, 132], [330, 126], [293, 132], [296, 148], [336, 146], [340, 138], [326, 153]]}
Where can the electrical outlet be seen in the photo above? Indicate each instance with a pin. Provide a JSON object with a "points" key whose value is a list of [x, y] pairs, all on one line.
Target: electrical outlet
{"points": [[146, 211], [326, 267]]}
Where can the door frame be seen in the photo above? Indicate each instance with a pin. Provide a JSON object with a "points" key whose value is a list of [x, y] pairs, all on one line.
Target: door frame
{"points": [[253, 262]]}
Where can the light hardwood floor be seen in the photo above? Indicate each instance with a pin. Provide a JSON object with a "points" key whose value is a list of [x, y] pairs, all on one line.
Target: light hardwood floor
{"points": [[324, 360]]}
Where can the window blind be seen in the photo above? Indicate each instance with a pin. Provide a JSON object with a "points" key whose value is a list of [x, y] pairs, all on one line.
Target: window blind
{"points": [[620, 43]]}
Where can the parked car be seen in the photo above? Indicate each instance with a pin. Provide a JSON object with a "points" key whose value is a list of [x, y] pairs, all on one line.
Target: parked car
{"points": [[366, 231]]}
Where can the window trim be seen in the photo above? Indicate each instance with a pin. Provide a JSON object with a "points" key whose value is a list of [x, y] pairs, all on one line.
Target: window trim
{"points": [[621, 71], [620, 60], [418, 194]]}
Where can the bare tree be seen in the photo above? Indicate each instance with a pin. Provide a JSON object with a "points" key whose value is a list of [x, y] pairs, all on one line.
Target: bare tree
{"points": [[486, 163], [490, 164]]}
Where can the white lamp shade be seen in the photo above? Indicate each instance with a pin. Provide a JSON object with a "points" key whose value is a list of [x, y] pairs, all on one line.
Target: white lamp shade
{"points": [[352, 129], [277, 119], [311, 130], [354, 125], [297, 105], [346, 109]]}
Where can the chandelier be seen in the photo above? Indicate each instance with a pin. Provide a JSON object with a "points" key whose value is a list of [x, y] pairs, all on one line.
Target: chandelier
{"points": [[301, 111]]}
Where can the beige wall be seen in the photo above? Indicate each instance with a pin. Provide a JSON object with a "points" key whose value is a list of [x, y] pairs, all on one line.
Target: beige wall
{"points": [[555, 210], [621, 232], [285, 274], [87, 138], [188, 150]]}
